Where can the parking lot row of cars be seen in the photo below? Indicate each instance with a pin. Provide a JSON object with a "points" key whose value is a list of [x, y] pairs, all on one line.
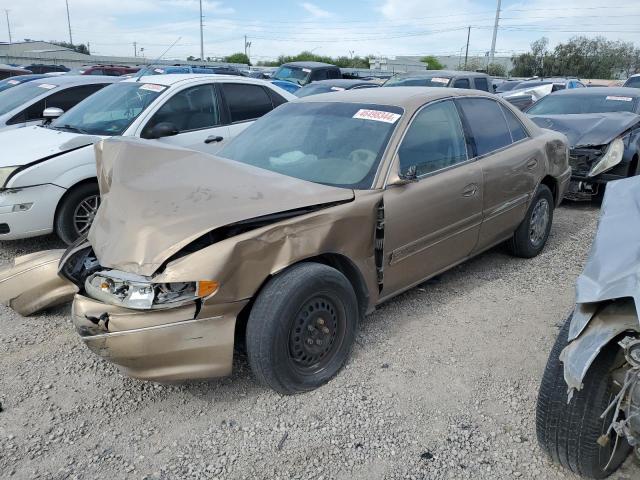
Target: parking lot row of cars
{"points": [[208, 211]]}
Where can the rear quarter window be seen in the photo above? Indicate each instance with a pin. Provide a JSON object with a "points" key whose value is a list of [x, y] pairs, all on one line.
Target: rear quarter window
{"points": [[481, 84]]}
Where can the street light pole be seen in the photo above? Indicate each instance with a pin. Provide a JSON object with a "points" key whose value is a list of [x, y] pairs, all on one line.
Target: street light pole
{"points": [[495, 33], [69, 23], [201, 35], [6, 12], [466, 53]]}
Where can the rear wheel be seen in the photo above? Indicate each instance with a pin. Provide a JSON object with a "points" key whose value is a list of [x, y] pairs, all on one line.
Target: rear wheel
{"points": [[301, 328], [76, 212], [532, 234], [570, 432]]}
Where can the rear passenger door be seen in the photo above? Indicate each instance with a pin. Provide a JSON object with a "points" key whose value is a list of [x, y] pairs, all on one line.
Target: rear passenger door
{"points": [[510, 166], [195, 114], [245, 103]]}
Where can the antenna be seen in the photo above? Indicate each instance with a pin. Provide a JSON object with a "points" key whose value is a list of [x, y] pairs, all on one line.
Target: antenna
{"points": [[157, 59]]}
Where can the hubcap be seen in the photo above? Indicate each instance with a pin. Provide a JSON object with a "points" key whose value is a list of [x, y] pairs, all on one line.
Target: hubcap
{"points": [[539, 222], [84, 214], [314, 334]]}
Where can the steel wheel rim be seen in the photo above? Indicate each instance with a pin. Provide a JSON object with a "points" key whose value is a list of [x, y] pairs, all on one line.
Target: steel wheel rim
{"points": [[84, 214], [539, 222], [316, 334]]}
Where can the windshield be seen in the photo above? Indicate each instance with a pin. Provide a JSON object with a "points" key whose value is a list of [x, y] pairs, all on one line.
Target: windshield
{"points": [[293, 74], [9, 83], [337, 144], [421, 81], [633, 82], [576, 104], [315, 89], [21, 94], [111, 110], [506, 86]]}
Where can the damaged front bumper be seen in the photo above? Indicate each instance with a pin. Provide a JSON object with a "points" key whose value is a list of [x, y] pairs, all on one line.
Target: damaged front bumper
{"points": [[160, 345]]}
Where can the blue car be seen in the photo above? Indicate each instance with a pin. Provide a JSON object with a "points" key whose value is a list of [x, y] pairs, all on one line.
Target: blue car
{"points": [[286, 85], [167, 69], [20, 79]]}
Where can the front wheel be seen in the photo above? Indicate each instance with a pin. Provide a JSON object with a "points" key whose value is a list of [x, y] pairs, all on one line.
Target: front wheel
{"points": [[301, 328], [76, 212], [532, 234], [569, 432]]}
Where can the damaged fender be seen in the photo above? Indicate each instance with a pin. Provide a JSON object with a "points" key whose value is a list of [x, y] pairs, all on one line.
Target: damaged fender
{"points": [[608, 290], [31, 283]]}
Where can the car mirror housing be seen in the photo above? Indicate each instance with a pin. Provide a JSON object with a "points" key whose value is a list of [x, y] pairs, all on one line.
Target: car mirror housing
{"points": [[51, 113], [402, 178], [164, 129]]}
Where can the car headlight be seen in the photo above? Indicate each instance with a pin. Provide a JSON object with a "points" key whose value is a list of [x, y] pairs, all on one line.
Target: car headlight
{"points": [[5, 172], [131, 291], [611, 158]]}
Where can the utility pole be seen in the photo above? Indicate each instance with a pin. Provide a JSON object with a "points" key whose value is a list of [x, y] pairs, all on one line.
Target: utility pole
{"points": [[201, 34], [245, 45], [6, 12], [495, 34], [135, 49], [466, 53], [69, 23]]}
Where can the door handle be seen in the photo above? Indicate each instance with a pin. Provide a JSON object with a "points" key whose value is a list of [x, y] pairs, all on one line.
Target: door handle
{"points": [[531, 164], [213, 139], [470, 190]]}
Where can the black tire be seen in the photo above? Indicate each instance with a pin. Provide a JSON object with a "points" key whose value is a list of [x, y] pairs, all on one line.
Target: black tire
{"points": [[291, 310], [569, 432], [64, 224], [522, 244]]}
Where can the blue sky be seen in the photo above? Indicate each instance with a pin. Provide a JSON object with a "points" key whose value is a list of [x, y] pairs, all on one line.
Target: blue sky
{"points": [[331, 27]]}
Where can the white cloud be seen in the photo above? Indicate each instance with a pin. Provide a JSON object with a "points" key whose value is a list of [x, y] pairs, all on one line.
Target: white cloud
{"points": [[315, 11]]}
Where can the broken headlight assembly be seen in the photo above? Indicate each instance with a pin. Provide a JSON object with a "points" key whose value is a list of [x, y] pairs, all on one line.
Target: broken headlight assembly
{"points": [[611, 158], [136, 292]]}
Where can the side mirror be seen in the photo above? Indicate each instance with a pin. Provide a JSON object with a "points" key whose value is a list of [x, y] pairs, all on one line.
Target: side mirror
{"points": [[164, 129], [410, 176], [51, 114]]}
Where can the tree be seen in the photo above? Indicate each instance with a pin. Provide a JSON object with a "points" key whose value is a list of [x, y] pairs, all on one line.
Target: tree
{"points": [[238, 58], [432, 63], [497, 70], [80, 48], [473, 65]]}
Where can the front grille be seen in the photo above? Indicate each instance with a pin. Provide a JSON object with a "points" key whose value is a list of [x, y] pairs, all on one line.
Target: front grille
{"points": [[582, 159], [4, 228]]}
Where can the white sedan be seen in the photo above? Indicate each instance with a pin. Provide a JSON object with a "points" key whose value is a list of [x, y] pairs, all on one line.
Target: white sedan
{"points": [[48, 173]]}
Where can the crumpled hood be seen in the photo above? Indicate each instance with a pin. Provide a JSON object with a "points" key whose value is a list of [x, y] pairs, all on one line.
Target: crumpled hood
{"points": [[588, 129], [22, 146], [156, 199], [613, 268], [536, 93]]}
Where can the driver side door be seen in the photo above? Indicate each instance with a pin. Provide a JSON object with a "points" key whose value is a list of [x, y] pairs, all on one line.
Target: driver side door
{"points": [[194, 113], [433, 222]]}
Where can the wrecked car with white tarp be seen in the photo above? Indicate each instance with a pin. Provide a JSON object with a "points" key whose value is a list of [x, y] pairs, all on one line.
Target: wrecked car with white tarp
{"points": [[588, 411]]}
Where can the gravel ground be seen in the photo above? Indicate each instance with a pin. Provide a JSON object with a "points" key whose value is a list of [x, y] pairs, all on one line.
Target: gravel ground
{"points": [[442, 384]]}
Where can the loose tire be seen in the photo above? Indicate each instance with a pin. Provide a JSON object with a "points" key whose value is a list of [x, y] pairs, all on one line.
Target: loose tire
{"points": [[569, 432], [301, 328], [532, 234], [76, 211]]}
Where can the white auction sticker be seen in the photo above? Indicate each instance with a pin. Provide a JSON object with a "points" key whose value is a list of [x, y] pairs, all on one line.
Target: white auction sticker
{"points": [[158, 70], [620, 99], [47, 86], [377, 115], [337, 89], [306, 70], [440, 80], [13, 82], [152, 87]]}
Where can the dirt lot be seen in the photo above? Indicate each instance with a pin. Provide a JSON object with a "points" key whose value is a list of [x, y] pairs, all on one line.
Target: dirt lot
{"points": [[442, 384]]}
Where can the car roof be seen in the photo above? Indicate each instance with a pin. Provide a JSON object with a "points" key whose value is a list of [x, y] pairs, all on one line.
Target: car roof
{"points": [[620, 91], [441, 73], [308, 64], [409, 98], [342, 82], [64, 80], [173, 78]]}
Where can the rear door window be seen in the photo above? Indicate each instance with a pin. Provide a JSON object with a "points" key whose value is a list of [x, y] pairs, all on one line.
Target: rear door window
{"points": [[481, 84], [319, 75], [462, 83], [515, 127], [486, 123], [246, 102], [435, 140]]}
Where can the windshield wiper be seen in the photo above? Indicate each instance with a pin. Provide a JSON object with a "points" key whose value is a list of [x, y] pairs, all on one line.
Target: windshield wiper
{"points": [[71, 128]]}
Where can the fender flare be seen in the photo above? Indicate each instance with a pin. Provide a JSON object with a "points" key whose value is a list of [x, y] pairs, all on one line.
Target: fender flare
{"points": [[594, 334]]}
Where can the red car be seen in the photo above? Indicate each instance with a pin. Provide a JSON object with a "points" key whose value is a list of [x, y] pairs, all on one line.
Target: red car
{"points": [[111, 70]]}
